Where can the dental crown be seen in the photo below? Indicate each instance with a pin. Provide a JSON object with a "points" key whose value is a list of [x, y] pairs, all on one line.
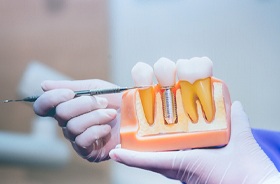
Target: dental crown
{"points": [[194, 69]]}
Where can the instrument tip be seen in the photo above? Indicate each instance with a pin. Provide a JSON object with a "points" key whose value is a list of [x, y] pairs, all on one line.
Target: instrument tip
{"points": [[144, 86], [7, 101]]}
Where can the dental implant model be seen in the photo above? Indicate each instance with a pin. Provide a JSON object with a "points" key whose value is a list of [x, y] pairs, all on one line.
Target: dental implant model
{"points": [[191, 113], [165, 72]]}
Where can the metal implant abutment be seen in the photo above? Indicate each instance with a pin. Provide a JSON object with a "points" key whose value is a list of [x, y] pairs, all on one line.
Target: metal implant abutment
{"points": [[169, 105]]}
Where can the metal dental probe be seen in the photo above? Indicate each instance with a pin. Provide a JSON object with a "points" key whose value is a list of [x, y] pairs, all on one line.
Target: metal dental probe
{"points": [[82, 93]]}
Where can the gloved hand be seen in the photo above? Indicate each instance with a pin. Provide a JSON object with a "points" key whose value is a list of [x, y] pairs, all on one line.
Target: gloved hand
{"points": [[90, 123], [241, 161]]}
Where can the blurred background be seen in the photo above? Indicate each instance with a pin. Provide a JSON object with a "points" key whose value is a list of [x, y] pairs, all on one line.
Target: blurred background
{"points": [[59, 39]]}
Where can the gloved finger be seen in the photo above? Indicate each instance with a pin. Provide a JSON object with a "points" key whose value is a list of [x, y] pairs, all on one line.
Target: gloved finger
{"points": [[114, 99], [145, 160], [76, 84], [156, 160], [78, 106], [82, 151], [46, 103], [79, 124], [239, 120], [172, 164], [100, 150], [86, 140]]}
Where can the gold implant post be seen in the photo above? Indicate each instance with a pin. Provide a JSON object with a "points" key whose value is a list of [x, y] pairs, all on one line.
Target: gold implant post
{"points": [[169, 105]]}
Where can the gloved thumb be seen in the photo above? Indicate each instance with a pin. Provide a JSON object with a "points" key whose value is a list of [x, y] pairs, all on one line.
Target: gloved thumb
{"points": [[144, 160], [239, 120]]}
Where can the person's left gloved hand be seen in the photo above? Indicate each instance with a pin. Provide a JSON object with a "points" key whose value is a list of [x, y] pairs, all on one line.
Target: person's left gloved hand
{"points": [[90, 123]]}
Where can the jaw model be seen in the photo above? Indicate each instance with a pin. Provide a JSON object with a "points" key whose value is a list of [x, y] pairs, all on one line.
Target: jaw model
{"points": [[193, 112]]}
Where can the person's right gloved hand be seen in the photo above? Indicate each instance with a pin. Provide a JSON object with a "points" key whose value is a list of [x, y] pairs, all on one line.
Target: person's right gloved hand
{"points": [[90, 123], [241, 161]]}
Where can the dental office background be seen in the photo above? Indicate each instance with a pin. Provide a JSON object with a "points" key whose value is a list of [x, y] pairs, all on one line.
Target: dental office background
{"points": [[59, 39]]}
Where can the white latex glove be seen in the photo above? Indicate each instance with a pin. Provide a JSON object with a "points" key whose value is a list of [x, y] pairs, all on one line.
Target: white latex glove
{"points": [[241, 161], [90, 123]]}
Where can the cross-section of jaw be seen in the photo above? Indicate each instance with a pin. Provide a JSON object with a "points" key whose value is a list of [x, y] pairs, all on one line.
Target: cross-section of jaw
{"points": [[195, 82]]}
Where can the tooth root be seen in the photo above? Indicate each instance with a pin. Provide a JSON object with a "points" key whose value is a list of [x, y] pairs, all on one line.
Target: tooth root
{"points": [[189, 100], [148, 100], [201, 90], [142, 74], [204, 94]]}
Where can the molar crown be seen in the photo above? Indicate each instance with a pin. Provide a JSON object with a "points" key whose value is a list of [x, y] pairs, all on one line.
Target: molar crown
{"points": [[194, 69]]}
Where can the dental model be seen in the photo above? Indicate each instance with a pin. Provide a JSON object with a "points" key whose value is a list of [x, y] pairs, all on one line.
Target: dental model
{"points": [[191, 113]]}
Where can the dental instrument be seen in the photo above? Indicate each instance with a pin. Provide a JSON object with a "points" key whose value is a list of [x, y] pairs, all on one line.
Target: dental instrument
{"points": [[82, 93]]}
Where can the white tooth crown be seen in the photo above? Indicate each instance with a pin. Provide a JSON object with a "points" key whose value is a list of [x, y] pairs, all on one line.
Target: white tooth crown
{"points": [[142, 74], [165, 72], [194, 69]]}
